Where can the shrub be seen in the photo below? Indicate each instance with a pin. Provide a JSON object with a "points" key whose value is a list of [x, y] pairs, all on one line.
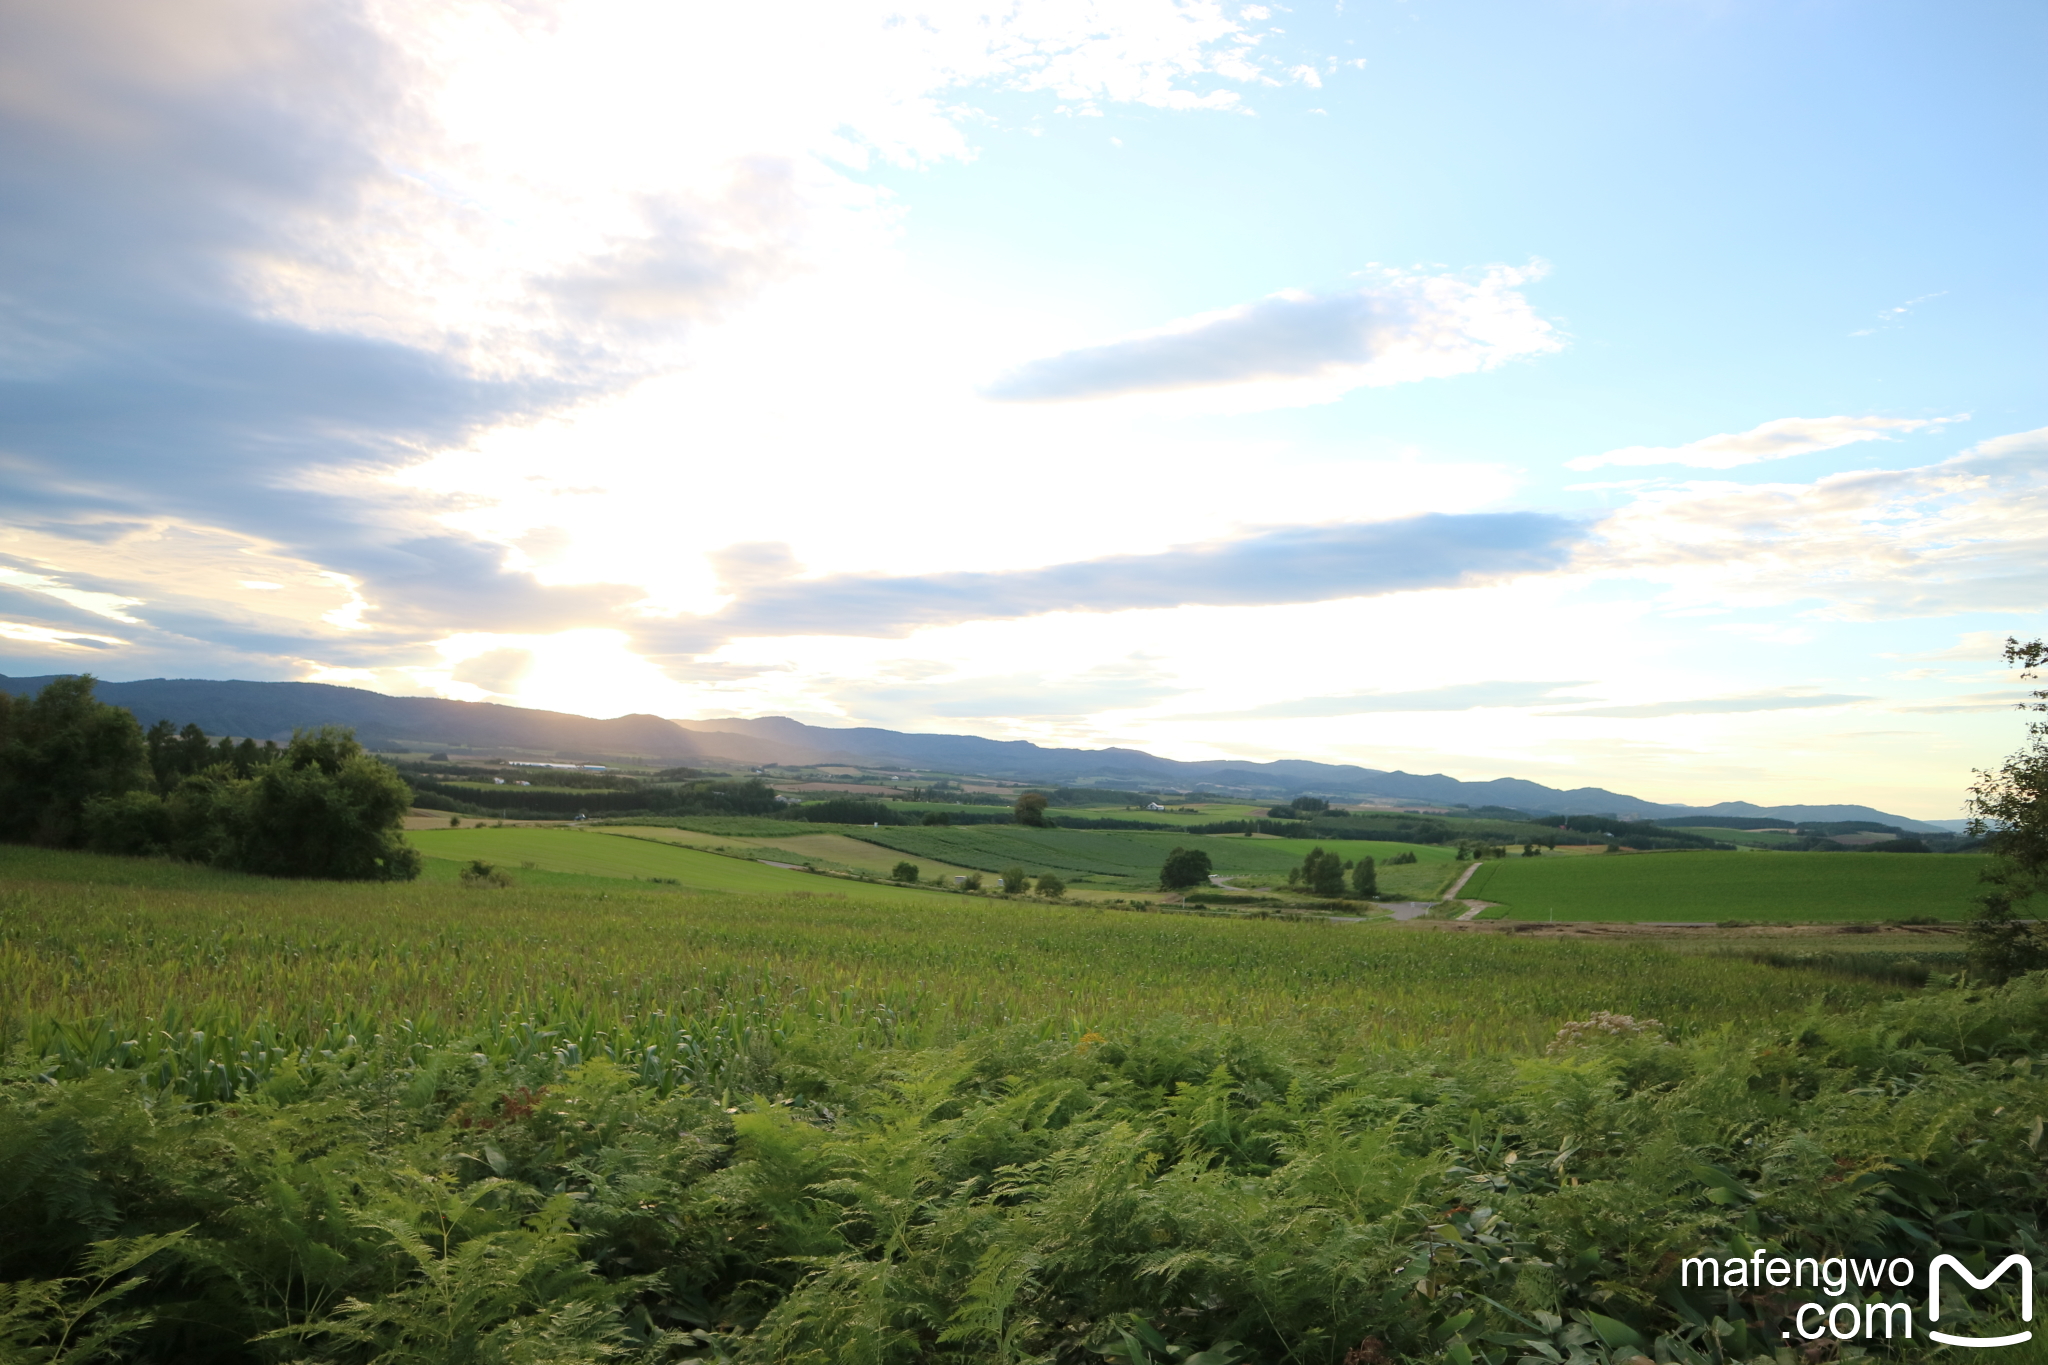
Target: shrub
{"points": [[482, 874], [1015, 880], [1050, 886], [903, 872]]}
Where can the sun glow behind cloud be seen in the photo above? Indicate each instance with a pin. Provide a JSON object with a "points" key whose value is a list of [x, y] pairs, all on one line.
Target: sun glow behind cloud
{"points": [[575, 355]]}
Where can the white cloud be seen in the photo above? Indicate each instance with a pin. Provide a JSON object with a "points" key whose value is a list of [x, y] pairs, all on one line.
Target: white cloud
{"points": [[569, 187], [1969, 534], [1295, 347], [1778, 440]]}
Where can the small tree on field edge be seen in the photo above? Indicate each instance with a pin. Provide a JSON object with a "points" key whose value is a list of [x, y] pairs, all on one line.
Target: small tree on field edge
{"points": [[903, 872], [1050, 886], [1015, 880], [1030, 810], [1365, 879], [2009, 811]]}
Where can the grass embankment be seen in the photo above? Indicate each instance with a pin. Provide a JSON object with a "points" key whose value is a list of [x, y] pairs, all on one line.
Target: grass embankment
{"points": [[1818, 888]]}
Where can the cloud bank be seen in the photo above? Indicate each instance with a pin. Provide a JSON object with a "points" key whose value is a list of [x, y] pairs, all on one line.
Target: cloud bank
{"points": [[1293, 564], [1298, 347], [1712, 706], [1779, 440]]}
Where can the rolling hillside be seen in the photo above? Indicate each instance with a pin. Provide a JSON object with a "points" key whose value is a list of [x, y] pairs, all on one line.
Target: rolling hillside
{"points": [[270, 710]]}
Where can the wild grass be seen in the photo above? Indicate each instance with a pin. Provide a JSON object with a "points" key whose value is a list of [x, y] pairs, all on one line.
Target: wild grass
{"points": [[1712, 887]]}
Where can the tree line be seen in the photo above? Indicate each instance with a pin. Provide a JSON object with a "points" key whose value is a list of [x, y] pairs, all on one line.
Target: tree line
{"points": [[76, 772]]}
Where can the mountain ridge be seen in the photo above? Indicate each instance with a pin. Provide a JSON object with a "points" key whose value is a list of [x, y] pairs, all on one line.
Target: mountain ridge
{"points": [[271, 710]]}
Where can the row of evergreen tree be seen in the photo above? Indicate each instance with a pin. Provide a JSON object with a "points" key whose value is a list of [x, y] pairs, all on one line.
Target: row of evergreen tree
{"points": [[76, 772]]}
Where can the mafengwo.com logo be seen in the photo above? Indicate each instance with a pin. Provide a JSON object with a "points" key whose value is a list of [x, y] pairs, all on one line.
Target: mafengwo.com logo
{"points": [[1862, 1300]]}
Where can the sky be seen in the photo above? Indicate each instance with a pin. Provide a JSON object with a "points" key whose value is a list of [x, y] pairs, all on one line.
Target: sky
{"points": [[1634, 393]]}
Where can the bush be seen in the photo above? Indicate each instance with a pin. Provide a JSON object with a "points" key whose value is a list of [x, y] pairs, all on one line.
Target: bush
{"points": [[1365, 881], [137, 824], [1014, 880], [1050, 886], [482, 874], [903, 872]]}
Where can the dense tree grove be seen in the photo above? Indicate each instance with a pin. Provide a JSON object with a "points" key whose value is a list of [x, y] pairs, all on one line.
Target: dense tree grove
{"points": [[76, 772], [60, 750]]}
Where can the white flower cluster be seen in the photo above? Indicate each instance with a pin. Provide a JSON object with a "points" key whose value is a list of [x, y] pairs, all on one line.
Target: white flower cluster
{"points": [[1602, 1025]]}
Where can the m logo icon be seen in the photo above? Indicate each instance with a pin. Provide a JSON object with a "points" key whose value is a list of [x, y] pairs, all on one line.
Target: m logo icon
{"points": [[2026, 1298]]}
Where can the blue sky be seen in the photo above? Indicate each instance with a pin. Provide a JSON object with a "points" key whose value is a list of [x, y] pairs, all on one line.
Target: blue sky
{"points": [[1637, 394]]}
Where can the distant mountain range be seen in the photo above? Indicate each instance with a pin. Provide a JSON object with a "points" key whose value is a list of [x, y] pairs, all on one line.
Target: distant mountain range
{"points": [[271, 710]]}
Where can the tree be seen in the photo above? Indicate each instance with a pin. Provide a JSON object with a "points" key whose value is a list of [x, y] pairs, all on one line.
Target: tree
{"points": [[1030, 809], [1050, 886], [326, 809], [2009, 811], [903, 872], [1184, 867], [1309, 805], [59, 751], [1321, 873], [937, 817], [1365, 879], [1015, 880]]}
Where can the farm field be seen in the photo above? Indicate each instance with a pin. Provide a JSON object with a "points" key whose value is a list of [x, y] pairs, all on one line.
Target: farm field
{"points": [[823, 850], [88, 937], [1122, 858], [1712, 886], [596, 1120], [594, 853]]}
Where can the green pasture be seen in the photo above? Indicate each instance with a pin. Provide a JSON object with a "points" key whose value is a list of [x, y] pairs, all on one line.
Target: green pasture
{"points": [[595, 853], [1714, 886]]}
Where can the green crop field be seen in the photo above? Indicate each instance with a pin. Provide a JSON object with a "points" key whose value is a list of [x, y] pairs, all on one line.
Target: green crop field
{"points": [[1800, 887], [91, 937], [594, 853], [586, 1119]]}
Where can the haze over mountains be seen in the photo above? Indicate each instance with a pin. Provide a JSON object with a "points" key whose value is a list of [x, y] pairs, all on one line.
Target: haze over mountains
{"points": [[271, 710]]}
